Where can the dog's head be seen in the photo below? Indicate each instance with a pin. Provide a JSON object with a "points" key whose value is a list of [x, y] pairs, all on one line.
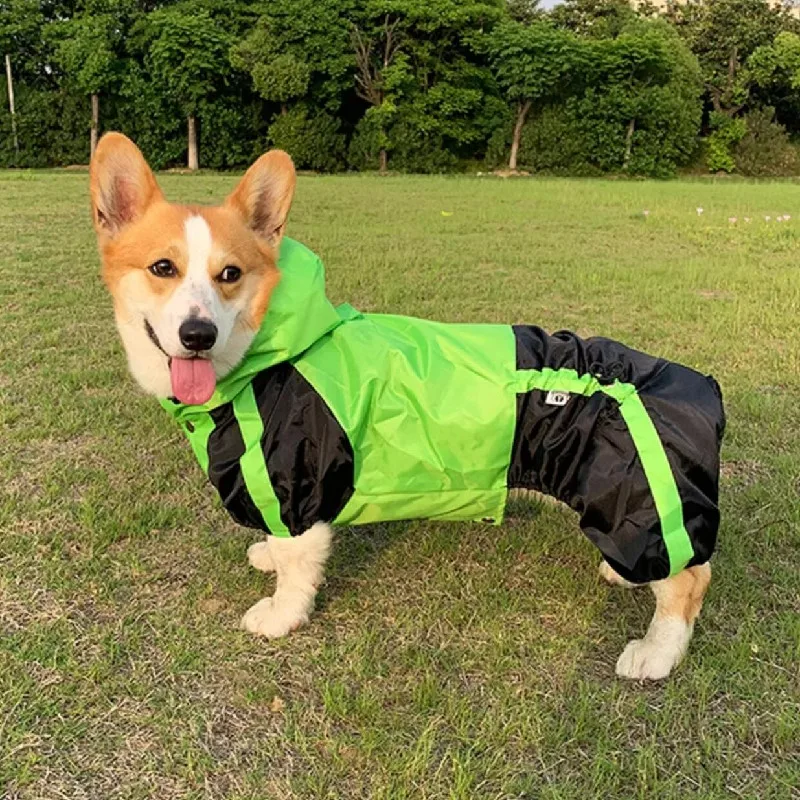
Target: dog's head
{"points": [[190, 284]]}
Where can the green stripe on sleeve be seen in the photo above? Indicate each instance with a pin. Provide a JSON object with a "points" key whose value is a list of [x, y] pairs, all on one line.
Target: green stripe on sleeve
{"points": [[253, 464]]}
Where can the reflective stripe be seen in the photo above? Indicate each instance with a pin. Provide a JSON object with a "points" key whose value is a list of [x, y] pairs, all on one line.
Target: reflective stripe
{"points": [[252, 463], [648, 446]]}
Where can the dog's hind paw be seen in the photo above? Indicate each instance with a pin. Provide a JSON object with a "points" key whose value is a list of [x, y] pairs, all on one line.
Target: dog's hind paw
{"points": [[266, 618], [259, 557], [646, 661]]}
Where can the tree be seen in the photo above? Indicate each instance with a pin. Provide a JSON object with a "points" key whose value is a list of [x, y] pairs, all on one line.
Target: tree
{"points": [[430, 99], [723, 34], [381, 73], [533, 65], [21, 25], [299, 60], [188, 56], [777, 63], [631, 63], [525, 11], [299, 50], [643, 88], [86, 49], [594, 19]]}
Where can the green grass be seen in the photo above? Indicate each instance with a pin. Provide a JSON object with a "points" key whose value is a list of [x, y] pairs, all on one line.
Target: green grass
{"points": [[445, 661]]}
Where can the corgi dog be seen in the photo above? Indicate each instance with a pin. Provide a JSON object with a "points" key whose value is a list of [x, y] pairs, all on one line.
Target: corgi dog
{"points": [[305, 415]]}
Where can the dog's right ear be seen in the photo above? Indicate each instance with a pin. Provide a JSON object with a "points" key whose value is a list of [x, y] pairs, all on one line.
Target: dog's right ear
{"points": [[121, 184]]}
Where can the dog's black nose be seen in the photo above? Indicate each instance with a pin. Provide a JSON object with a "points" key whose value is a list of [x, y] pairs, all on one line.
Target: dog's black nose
{"points": [[197, 334]]}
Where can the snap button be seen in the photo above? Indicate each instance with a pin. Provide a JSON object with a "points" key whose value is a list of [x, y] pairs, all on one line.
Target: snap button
{"points": [[607, 373]]}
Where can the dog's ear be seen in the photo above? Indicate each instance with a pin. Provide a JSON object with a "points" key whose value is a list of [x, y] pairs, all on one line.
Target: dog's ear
{"points": [[264, 195], [121, 184]]}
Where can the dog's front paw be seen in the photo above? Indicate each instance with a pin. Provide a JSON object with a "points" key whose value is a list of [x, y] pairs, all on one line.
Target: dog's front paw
{"points": [[259, 557], [642, 660], [271, 619]]}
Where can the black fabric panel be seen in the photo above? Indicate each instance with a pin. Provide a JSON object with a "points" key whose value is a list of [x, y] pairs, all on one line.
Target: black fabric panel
{"points": [[605, 359], [583, 454], [618, 513], [550, 442], [308, 455], [225, 448]]}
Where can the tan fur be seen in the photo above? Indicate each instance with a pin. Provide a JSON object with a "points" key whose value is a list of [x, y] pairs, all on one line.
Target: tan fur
{"points": [[678, 603], [681, 596]]}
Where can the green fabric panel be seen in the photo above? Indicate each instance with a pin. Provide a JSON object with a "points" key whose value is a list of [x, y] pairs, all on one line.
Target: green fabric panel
{"points": [[397, 386], [648, 445], [253, 464], [203, 426]]}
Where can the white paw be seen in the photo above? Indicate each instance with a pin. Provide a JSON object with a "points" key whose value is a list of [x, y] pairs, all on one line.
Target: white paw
{"points": [[259, 557], [642, 660], [273, 620]]}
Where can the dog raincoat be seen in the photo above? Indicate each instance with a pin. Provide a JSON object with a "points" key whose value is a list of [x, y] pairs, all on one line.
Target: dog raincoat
{"points": [[353, 418]]}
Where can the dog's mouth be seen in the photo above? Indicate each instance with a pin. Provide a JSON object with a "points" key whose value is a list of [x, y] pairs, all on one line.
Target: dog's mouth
{"points": [[193, 379]]}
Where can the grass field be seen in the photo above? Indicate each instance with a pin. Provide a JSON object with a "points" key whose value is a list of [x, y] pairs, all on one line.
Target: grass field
{"points": [[445, 661]]}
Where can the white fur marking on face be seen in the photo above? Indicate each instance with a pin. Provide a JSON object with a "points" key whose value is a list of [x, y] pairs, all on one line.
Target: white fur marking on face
{"points": [[196, 295], [198, 239]]}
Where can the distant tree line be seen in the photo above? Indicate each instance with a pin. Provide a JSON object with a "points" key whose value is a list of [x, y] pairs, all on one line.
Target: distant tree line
{"points": [[591, 86]]}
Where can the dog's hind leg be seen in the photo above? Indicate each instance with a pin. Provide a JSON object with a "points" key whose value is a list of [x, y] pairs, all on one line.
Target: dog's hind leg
{"points": [[607, 573], [299, 563], [678, 602]]}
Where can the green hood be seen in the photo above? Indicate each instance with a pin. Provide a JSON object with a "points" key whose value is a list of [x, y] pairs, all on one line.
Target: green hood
{"points": [[298, 315]]}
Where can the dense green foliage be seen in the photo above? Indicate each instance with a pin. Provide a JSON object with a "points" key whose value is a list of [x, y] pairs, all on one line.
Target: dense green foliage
{"points": [[416, 85]]}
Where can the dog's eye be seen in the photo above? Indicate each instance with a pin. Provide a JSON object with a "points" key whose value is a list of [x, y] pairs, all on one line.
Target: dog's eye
{"points": [[229, 275], [163, 268]]}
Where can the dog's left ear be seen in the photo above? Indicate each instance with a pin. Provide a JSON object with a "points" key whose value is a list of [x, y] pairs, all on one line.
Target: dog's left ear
{"points": [[264, 195]]}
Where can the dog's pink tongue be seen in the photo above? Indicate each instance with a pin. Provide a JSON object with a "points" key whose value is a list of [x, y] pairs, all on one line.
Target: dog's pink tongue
{"points": [[193, 380]]}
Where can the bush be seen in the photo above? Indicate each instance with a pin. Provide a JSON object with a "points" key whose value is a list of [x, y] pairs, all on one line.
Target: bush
{"points": [[554, 142], [765, 150], [417, 150], [52, 128], [369, 137], [725, 133], [232, 132], [410, 148], [313, 142]]}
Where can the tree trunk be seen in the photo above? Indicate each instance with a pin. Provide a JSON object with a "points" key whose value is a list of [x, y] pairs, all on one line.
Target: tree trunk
{"points": [[384, 160], [522, 113], [95, 123], [192, 161], [284, 109], [11, 104], [629, 143]]}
